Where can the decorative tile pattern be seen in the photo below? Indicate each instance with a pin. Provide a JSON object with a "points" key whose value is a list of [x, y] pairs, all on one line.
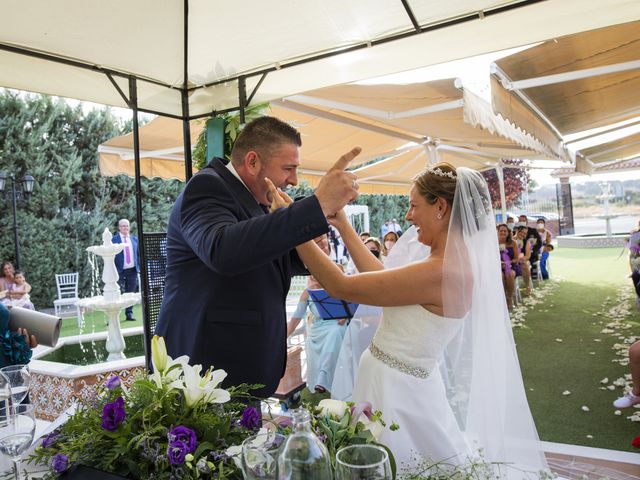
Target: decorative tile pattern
{"points": [[600, 241], [53, 395]]}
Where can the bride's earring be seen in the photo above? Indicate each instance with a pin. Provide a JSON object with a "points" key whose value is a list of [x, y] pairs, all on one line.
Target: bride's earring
{"points": [[439, 216]]}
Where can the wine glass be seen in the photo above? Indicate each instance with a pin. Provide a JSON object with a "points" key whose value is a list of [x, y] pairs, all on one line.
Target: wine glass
{"points": [[260, 455], [359, 462], [19, 381], [17, 426]]}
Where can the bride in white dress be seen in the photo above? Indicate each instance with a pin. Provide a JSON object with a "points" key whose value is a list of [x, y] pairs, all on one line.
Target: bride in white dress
{"points": [[443, 364]]}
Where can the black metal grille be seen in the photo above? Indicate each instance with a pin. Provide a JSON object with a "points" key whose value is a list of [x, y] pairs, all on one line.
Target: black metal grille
{"points": [[155, 255]]}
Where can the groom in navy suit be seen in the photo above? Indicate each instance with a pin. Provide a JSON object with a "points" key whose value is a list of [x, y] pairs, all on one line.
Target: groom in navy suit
{"points": [[127, 262], [230, 262]]}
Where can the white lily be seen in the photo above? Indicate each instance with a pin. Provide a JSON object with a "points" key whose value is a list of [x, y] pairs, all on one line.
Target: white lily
{"points": [[158, 354], [173, 370], [197, 388], [333, 407]]}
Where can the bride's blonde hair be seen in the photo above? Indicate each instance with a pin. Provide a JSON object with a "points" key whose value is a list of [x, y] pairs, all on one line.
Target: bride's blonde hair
{"points": [[437, 181]]}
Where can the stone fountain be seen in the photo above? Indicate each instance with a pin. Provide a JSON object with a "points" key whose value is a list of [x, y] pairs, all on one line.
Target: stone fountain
{"points": [[605, 215], [111, 302]]}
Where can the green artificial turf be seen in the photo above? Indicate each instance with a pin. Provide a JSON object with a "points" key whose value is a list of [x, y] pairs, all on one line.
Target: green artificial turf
{"points": [[97, 322], [562, 348]]}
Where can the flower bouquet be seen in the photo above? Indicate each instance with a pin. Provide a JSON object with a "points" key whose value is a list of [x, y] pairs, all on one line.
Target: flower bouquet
{"points": [[177, 423]]}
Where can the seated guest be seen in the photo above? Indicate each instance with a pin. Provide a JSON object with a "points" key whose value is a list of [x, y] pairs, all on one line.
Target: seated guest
{"points": [[324, 337], [373, 244], [532, 235], [543, 232], [17, 295], [15, 347], [524, 245], [388, 242], [511, 223], [632, 397], [509, 253], [7, 273]]}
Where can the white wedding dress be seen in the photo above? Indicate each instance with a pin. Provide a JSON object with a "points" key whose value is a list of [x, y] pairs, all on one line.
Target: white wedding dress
{"points": [[399, 374]]}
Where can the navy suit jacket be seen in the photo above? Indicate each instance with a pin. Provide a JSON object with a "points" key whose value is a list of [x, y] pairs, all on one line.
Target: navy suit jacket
{"points": [[229, 268], [119, 258]]}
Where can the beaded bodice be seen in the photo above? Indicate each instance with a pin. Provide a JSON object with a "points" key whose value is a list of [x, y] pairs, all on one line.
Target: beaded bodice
{"points": [[411, 339]]}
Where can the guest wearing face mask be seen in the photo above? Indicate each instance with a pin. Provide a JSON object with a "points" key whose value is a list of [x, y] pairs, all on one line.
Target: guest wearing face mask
{"points": [[389, 241], [373, 244], [511, 224], [545, 235], [532, 234]]}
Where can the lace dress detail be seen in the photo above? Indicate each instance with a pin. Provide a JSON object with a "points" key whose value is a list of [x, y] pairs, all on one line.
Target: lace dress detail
{"points": [[411, 339]]}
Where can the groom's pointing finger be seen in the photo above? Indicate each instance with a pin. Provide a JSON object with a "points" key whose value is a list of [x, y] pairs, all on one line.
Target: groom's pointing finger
{"points": [[344, 161]]}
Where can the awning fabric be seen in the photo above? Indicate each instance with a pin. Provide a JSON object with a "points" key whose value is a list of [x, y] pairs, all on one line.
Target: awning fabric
{"points": [[574, 106], [617, 150], [299, 45], [396, 125]]}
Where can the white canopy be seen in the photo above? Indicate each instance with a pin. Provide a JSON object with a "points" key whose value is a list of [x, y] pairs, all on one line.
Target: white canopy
{"points": [[190, 57]]}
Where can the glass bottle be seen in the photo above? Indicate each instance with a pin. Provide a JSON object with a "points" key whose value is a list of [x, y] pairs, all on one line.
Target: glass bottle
{"points": [[304, 456]]}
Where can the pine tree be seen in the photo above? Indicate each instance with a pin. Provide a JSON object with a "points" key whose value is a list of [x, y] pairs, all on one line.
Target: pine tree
{"points": [[72, 203]]}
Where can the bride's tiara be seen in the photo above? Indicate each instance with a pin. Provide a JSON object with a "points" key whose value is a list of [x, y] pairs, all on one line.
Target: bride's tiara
{"points": [[440, 173]]}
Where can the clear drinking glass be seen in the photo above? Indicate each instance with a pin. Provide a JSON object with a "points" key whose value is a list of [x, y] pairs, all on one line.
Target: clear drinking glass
{"points": [[19, 381], [17, 426], [260, 455], [304, 456], [360, 462]]}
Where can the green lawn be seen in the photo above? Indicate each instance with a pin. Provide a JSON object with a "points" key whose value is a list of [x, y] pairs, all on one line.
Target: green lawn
{"points": [[562, 348], [97, 322]]}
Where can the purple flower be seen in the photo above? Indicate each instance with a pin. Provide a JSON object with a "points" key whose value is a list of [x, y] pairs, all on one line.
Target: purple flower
{"points": [[49, 440], [184, 435], [112, 382], [60, 463], [251, 418], [113, 415], [176, 452]]}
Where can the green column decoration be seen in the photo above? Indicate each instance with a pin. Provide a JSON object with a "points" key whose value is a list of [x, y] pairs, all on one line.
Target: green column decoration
{"points": [[215, 138]]}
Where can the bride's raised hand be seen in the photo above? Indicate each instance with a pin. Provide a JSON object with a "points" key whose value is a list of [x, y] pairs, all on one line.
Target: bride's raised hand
{"points": [[339, 219], [279, 199]]}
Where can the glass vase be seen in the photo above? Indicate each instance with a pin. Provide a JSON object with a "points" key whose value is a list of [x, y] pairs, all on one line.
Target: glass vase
{"points": [[304, 456]]}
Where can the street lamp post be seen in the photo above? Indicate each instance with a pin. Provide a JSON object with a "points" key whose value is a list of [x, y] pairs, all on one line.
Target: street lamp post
{"points": [[27, 182]]}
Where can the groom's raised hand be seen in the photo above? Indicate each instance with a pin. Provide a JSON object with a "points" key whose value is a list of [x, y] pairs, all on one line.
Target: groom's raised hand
{"points": [[337, 187]]}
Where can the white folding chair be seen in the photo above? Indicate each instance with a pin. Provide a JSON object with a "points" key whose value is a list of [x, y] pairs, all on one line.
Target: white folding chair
{"points": [[67, 285]]}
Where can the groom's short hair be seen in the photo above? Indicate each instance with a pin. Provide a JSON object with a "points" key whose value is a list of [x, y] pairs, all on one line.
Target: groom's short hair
{"points": [[262, 135]]}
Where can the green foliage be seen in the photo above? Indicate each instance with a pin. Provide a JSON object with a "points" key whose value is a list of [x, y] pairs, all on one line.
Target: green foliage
{"points": [[137, 448], [231, 131], [72, 203]]}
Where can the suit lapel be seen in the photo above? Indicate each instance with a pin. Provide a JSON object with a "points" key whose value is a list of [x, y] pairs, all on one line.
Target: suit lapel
{"points": [[244, 196], [248, 203]]}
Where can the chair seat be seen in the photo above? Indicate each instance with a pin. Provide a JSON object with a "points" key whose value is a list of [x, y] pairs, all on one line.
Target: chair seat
{"points": [[65, 301]]}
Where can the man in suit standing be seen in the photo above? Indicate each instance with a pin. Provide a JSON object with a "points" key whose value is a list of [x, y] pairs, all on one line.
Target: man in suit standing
{"points": [[127, 262], [230, 262]]}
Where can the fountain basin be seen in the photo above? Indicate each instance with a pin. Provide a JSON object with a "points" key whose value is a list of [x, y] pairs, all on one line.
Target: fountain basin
{"points": [[56, 385], [592, 240], [101, 303]]}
